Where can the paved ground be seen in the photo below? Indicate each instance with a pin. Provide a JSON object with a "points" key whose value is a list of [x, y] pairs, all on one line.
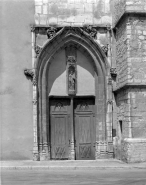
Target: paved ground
{"points": [[70, 165], [74, 177]]}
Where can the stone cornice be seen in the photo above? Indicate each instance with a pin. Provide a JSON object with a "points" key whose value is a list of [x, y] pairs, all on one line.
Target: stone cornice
{"points": [[126, 14], [129, 85]]}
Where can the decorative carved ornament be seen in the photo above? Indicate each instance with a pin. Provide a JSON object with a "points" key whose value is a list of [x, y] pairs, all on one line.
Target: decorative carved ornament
{"points": [[110, 102], [34, 101], [113, 72], [59, 106], [91, 31], [84, 106], [109, 81], [37, 49], [71, 68], [51, 32], [105, 49], [32, 28], [31, 74]]}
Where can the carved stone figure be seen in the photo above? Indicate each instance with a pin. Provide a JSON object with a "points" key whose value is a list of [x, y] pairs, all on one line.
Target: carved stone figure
{"points": [[91, 31], [113, 72], [30, 74], [51, 32], [71, 78]]}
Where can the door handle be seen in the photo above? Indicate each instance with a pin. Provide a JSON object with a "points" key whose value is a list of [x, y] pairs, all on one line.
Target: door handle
{"points": [[69, 142]]}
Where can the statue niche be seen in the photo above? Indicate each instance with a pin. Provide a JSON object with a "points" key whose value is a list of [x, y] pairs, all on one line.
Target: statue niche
{"points": [[71, 78], [71, 65]]}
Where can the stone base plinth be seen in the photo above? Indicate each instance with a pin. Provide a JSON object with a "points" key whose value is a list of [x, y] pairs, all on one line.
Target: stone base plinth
{"points": [[133, 150]]}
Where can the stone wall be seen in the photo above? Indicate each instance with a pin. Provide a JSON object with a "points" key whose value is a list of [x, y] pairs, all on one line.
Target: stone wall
{"points": [[119, 7], [138, 112], [121, 55], [136, 41], [72, 12], [15, 89], [134, 150], [131, 51], [131, 112]]}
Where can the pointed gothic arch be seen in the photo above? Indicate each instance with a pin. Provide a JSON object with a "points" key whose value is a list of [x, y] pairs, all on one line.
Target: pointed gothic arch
{"points": [[81, 41]]}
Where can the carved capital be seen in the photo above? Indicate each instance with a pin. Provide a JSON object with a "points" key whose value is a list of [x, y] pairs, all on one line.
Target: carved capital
{"points": [[37, 49], [51, 32], [113, 72], [91, 31]]}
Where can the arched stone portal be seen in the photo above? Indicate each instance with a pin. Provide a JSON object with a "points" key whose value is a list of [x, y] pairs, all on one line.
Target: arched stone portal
{"points": [[72, 40]]}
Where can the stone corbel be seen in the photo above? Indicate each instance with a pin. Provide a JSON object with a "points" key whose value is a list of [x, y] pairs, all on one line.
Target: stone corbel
{"points": [[51, 32], [91, 31], [113, 72], [31, 74]]}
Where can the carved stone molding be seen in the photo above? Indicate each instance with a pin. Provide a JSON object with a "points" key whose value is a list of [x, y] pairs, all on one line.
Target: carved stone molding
{"points": [[91, 31], [37, 49], [109, 81], [113, 72], [105, 49], [51, 32]]}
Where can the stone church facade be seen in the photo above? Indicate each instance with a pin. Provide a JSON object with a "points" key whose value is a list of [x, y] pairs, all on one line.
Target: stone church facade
{"points": [[73, 80]]}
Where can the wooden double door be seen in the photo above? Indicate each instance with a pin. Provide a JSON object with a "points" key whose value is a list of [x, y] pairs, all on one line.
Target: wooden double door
{"points": [[72, 121]]}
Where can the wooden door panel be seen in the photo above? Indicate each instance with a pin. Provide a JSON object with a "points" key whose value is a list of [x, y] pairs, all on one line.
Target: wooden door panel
{"points": [[84, 129], [59, 137], [85, 151], [59, 129]]}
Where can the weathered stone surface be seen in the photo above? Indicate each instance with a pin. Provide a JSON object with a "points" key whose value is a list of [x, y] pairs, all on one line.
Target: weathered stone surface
{"points": [[73, 13], [120, 7], [134, 150]]}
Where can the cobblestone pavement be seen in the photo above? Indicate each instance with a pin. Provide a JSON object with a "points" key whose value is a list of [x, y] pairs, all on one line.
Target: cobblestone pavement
{"points": [[74, 177]]}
